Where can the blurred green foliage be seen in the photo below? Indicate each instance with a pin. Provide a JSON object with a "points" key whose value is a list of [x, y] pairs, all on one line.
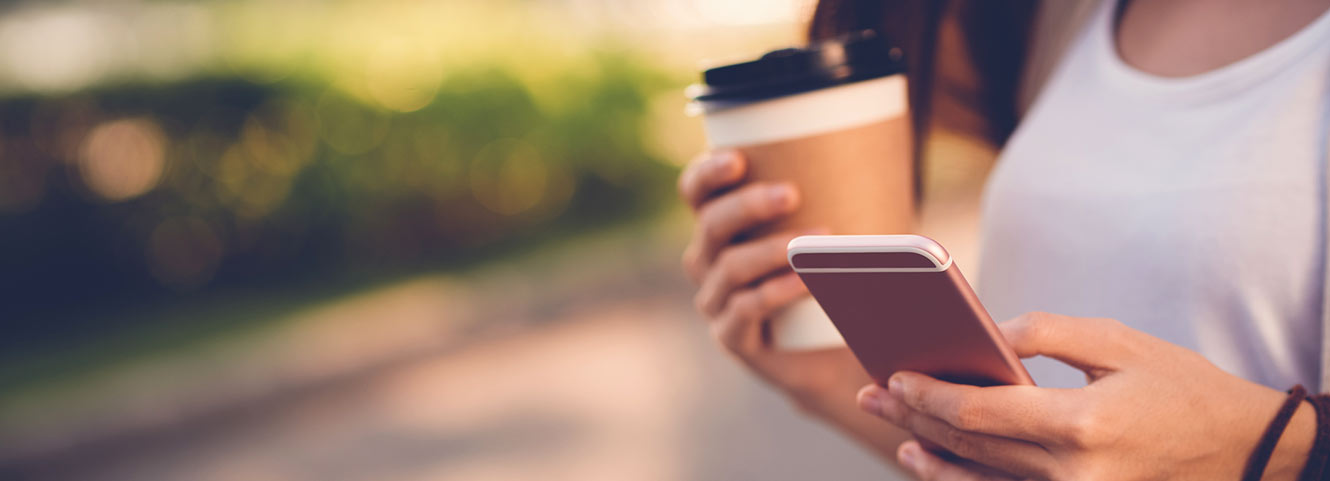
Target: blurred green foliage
{"points": [[297, 180]]}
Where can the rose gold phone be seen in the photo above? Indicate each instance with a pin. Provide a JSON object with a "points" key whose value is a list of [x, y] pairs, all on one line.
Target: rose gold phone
{"points": [[901, 304]]}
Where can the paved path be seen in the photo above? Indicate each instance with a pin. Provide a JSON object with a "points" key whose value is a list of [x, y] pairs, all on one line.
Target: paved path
{"points": [[548, 369]]}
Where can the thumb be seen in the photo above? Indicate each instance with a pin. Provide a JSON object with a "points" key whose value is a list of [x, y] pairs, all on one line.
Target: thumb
{"points": [[1096, 346]]}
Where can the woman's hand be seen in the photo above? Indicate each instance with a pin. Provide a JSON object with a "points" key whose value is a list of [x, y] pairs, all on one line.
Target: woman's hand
{"points": [[1152, 410], [744, 282]]}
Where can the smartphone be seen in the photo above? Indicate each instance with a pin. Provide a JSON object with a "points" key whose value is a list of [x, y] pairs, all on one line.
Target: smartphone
{"points": [[902, 305]]}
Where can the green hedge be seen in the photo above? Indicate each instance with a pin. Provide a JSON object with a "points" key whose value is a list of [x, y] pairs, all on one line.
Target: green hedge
{"points": [[298, 181]]}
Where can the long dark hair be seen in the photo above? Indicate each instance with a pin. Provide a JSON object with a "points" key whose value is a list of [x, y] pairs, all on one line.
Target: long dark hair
{"points": [[995, 34]]}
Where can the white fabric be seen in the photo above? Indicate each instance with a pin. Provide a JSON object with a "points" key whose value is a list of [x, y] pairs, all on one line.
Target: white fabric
{"points": [[1189, 208]]}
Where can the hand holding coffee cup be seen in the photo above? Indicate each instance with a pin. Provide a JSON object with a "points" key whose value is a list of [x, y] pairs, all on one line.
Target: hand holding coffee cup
{"points": [[805, 139]]}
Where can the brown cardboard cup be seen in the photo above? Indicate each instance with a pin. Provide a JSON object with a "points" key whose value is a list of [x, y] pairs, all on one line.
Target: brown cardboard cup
{"points": [[833, 119]]}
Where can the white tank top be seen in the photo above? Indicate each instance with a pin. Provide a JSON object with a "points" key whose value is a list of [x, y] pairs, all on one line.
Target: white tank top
{"points": [[1188, 208]]}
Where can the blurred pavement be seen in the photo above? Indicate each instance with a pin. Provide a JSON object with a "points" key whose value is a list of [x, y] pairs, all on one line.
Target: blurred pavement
{"points": [[583, 362]]}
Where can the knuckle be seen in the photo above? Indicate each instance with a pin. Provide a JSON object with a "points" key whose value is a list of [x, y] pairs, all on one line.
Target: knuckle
{"points": [[756, 204], [707, 226], [1109, 323], [1113, 329], [776, 293], [749, 307], [1036, 319], [729, 279], [722, 331], [959, 442], [683, 184], [766, 257], [1037, 325], [691, 263], [700, 303], [968, 416], [716, 229], [690, 179], [1116, 332], [726, 267], [731, 326], [1085, 430]]}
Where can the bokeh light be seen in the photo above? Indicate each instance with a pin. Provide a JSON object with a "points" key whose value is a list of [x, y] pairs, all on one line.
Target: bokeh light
{"points": [[402, 75], [59, 49], [188, 30], [349, 126], [247, 187], [509, 176], [223, 201], [123, 159], [280, 137], [267, 41]]}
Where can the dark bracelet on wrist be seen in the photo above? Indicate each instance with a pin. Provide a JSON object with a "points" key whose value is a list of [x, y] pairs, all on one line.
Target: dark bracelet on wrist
{"points": [[1315, 469], [1266, 447]]}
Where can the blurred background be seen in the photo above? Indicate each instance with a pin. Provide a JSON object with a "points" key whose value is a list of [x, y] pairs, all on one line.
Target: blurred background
{"points": [[387, 240]]}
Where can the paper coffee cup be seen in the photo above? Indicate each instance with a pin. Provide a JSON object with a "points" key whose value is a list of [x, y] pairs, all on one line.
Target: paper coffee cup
{"points": [[833, 119]]}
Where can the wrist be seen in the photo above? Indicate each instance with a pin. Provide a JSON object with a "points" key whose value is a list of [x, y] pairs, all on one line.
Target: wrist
{"points": [[1291, 453]]}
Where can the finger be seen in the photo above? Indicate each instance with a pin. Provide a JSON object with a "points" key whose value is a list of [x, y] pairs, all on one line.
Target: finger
{"points": [[723, 218], [740, 265], [739, 328], [1096, 346], [930, 467], [1018, 412], [1010, 455], [709, 173]]}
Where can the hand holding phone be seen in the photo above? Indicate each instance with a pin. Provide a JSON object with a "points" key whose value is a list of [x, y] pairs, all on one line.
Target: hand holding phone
{"points": [[902, 305]]}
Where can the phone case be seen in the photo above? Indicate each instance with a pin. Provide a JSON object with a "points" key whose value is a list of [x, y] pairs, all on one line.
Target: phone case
{"points": [[902, 304]]}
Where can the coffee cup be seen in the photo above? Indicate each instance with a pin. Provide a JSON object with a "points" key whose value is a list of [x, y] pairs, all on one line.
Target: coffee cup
{"points": [[832, 118]]}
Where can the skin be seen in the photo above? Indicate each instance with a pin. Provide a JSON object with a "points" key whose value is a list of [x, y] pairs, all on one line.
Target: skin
{"points": [[1152, 410], [743, 283], [1178, 38]]}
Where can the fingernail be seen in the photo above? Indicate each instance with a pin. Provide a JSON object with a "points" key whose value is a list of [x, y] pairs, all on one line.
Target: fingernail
{"points": [[722, 164], [895, 386], [782, 196], [909, 456], [871, 403]]}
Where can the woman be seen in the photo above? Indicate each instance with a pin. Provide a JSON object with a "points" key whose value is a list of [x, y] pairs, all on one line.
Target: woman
{"points": [[1169, 174]]}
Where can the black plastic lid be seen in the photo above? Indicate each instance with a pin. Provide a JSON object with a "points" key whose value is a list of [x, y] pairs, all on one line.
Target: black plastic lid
{"points": [[851, 58]]}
